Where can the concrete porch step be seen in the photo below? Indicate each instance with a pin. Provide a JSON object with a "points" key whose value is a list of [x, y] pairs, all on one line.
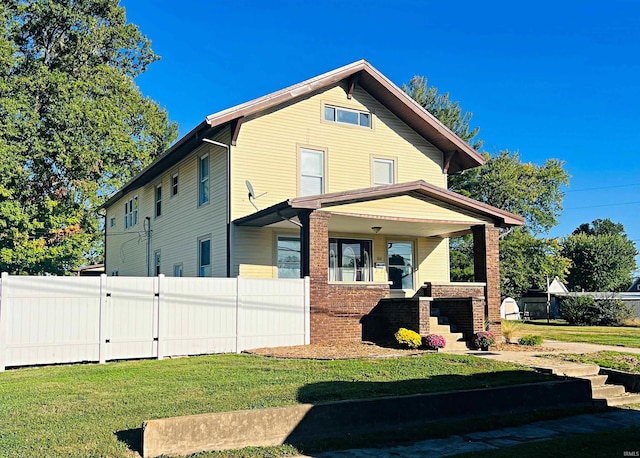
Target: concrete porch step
{"points": [[571, 369]]}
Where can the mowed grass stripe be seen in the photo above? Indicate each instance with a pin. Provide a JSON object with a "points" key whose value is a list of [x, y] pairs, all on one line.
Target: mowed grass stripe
{"points": [[79, 411]]}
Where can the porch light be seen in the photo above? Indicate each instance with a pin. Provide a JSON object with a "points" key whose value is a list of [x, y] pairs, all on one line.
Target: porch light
{"points": [[376, 229]]}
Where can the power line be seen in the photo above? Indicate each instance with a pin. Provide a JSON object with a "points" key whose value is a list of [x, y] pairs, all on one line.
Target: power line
{"points": [[603, 187], [604, 205]]}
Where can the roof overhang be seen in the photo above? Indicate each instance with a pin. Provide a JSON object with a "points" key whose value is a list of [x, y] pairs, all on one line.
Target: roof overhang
{"points": [[459, 155], [418, 189]]}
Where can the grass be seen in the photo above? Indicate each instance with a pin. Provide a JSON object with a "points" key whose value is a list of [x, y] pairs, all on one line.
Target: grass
{"points": [[97, 410], [603, 444], [628, 362], [623, 336]]}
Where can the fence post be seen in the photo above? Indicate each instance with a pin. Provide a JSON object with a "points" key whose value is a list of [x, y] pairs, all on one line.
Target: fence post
{"points": [[237, 314], [102, 320], [4, 305], [307, 311], [159, 334]]}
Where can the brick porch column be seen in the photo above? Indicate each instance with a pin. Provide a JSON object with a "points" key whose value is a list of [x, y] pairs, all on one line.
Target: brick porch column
{"points": [[486, 263], [314, 238]]}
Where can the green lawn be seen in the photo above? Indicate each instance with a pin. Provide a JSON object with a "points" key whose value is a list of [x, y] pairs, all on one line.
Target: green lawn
{"points": [[96, 410], [605, 335]]}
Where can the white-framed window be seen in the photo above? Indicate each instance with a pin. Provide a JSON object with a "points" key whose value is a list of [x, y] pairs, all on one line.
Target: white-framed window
{"points": [[203, 180], [347, 116], [131, 212], [174, 184], [204, 257], [156, 262], [383, 171], [177, 270], [311, 172], [158, 201], [288, 257], [112, 221]]}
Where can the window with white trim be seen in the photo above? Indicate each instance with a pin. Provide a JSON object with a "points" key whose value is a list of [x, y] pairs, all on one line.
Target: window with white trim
{"points": [[204, 257], [203, 177], [156, 262], [112, 221], [347, 116], [288, 257], [311, 172], [131, 212], [158, 201], [177, 270], [174, 184], [383, 171]]}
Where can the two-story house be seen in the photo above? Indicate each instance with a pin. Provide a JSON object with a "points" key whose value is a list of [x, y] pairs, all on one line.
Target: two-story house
{"points": [[342, 178]]}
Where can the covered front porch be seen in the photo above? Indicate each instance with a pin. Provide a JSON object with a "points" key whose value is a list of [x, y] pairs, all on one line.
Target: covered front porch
{"points": [[387, 248]]}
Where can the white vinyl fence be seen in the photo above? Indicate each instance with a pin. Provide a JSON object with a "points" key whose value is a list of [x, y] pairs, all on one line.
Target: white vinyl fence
{"points": [[50, 320]]}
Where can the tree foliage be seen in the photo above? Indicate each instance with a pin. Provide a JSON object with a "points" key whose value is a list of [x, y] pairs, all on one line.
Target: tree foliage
{"points": [[73, 126], [442, 107], [526, 189], [602, 257], [504, 181]]}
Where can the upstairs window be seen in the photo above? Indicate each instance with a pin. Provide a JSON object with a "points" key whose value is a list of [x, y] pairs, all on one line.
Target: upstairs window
{"points": [[311, 172], [131, 212], [383, 172], [203, 175], [158, 200], [346, 116], [112, 222], [174, 185]]}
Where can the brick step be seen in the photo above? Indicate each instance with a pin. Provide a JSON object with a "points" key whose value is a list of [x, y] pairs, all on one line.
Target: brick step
{"points": [[626, 398], [607, 391]]}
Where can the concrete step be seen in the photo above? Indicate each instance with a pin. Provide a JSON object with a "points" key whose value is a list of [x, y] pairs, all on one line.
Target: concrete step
{"points": [[456, 345], [626, 398], [596, 380], [575, 370], [607, 391]]}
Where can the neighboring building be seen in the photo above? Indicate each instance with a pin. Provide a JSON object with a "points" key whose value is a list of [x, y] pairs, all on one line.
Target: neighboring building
{"points": [[533, 303], [635, 287], [351, 181]]}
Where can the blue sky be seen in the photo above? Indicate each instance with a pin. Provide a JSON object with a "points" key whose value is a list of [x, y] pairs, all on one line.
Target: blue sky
{"points": [[548, 79]]}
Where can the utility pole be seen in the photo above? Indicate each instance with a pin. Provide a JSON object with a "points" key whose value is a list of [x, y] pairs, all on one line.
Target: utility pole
{"points": [[548, 301]]}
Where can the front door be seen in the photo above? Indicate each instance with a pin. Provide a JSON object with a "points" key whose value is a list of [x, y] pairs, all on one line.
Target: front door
{"points": [[400, 265]]}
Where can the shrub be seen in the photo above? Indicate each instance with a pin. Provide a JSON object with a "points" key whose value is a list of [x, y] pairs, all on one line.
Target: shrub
{"points": [[531, 340], [509, 328], [483, 339], [434, 341], [588, 311], [408, 337]]}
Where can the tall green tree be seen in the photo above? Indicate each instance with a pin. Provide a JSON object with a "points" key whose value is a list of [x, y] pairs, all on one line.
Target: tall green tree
{"points": [[442, 107], [602, 257], [504, 181], [73, 126]]}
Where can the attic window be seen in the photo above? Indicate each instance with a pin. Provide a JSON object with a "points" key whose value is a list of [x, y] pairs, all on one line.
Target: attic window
{"points": [[346, 116]]}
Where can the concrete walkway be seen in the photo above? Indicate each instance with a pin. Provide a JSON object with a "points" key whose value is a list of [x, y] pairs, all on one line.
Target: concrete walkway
{"points": [[507, 437]]}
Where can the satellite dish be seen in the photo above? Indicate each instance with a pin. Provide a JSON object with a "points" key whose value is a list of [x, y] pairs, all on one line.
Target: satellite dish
{"points": [[252, 193]]}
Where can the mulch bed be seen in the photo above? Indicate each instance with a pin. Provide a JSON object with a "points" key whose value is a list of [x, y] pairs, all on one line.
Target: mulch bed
{"points": [[354, 350]]}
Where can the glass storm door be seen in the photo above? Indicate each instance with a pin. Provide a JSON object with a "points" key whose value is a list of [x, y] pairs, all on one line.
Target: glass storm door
{"points": [[400, 265], [350, 260]]}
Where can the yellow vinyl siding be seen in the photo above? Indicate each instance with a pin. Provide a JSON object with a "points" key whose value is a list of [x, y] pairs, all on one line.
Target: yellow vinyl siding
{"points": [[407, 207], [433, 260], [267, 151], [176, 232]]}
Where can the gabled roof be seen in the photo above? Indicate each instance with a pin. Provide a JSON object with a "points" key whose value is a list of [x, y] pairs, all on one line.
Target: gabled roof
{"points": [[417, 189], [458, 155]]}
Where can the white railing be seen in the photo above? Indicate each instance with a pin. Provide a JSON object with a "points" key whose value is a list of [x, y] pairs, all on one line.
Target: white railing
{"points": [[52, 320]]}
